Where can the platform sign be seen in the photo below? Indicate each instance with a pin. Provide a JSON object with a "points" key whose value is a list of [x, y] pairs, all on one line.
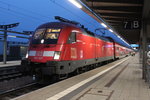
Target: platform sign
{"points": [[134, 45], [136, 24]]}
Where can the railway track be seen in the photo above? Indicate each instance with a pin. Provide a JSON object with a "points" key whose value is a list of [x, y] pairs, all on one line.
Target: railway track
{"points": [[9, 72], [13, 82], [20, 90], [19, 86], [10, 76], [12, 79]]}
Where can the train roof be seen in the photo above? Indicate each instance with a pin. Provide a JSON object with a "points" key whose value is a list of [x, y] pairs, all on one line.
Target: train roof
{"points": [[109, 39], [56, 24], [65, 24]]}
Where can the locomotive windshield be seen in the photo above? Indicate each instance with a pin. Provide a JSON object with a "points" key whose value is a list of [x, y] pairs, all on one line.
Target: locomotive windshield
{"points": [[50, 36], [39, 34]]}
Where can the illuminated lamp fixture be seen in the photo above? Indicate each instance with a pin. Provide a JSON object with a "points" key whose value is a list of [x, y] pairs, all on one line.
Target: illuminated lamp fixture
{"points": [[42, 41], [103, 25], [118, 36], [11, 36], [75, 3], [111, 30]]}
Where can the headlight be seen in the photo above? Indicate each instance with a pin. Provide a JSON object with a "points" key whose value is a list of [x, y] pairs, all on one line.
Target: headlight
{"points": [[57, 55], [27, 55], [42, 41]]}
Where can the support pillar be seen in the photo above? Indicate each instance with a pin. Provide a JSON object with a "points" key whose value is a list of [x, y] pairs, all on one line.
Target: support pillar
{"points": [[5, 46]]}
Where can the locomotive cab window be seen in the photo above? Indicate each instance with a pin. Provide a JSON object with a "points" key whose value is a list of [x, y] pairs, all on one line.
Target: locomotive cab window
{"points": [[38, 36], [52, 33], [72, 37], [51, 36], [47, 36]]}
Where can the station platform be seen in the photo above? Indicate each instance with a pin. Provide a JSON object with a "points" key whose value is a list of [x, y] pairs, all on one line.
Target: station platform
{"points": [[10, 63], [119, 80]]}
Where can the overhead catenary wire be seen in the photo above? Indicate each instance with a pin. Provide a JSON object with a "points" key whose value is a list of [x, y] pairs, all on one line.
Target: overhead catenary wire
{"points": [[29, 11], [35, 18], [40, 19], [59, 5], [18, 16], [10, 10]]}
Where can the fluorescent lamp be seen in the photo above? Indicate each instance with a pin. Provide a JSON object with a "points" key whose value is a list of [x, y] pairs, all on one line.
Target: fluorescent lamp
{"points": [[103, 25], [75, 3], [111, 30], [11, 36], [118, 36]]}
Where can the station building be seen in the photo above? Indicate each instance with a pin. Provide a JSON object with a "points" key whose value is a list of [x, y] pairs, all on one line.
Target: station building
{"points": [[15, 49]]}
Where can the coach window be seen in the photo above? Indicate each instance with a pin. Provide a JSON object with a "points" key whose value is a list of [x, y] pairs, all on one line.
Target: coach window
{"points": [[72, 37]]}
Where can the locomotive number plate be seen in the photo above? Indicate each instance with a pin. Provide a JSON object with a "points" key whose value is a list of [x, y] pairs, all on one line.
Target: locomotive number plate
{"points": [[39, 53]]}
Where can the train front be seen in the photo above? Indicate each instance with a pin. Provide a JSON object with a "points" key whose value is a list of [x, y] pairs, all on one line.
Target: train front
{"points": [[46, 46]]}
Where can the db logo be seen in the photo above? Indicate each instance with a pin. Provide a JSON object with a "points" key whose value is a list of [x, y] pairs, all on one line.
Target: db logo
{"points": [[148, 54], [39, 53], [148, 61]]}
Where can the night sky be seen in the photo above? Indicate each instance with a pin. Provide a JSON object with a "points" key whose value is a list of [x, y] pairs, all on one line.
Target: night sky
{"points": [[31, 13]]}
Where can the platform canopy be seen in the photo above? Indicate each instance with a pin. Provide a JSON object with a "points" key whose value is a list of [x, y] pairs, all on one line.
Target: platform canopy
{"points": [[121, 16]]}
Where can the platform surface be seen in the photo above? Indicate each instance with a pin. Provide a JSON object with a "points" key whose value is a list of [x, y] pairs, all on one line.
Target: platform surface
{"points": [[10, 63], [123, 82]]}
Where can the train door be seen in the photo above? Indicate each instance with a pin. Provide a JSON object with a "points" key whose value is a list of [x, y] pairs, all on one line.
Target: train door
{"points": [[97, 49], [72, 41], [114, 50], [70, 52]]}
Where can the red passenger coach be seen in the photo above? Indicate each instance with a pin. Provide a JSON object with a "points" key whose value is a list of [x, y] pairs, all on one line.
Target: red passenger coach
{"points": [[64, 47], [121, 51]]}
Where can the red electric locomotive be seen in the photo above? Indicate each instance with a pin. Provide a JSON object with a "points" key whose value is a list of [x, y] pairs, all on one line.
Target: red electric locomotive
{"points": [[64, 47]]}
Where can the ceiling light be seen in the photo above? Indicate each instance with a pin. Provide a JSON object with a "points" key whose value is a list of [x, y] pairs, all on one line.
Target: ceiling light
{"points": [[75, 3], [111, 30], [103, 25], [118, 36]]}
